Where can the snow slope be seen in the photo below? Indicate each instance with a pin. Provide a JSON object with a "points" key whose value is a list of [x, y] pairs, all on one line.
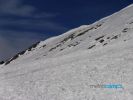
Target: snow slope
{"points": [[65, 67]]}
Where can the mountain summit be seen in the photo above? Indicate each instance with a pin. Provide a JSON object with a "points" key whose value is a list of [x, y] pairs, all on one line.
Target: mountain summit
{"points": [[74, 65]]}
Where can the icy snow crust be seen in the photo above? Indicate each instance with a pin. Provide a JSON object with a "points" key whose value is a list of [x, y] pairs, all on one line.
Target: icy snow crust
{"points": [[64, 67]]}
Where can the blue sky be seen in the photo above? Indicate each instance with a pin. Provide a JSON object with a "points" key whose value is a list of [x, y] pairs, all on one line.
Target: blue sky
{"points": [[24, 22]]}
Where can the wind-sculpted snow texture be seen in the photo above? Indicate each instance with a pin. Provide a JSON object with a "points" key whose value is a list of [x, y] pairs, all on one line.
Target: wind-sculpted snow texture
{"points": [[74, 65]]}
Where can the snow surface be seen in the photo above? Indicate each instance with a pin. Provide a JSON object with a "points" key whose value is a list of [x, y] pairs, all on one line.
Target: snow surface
{"points": [[64, 67]]}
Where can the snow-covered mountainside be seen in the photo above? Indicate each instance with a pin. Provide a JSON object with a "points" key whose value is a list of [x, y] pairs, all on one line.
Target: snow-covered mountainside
{"points": [[72, 65]]}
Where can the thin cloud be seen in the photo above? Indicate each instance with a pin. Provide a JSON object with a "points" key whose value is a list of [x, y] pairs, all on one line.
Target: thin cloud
{"points": [[18, 8], [12, 42], [31, 24], [15, 7], [6, 50]]}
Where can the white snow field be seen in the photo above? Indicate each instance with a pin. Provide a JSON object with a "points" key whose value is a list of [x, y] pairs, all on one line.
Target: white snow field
{"points": [[65, 67]]}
